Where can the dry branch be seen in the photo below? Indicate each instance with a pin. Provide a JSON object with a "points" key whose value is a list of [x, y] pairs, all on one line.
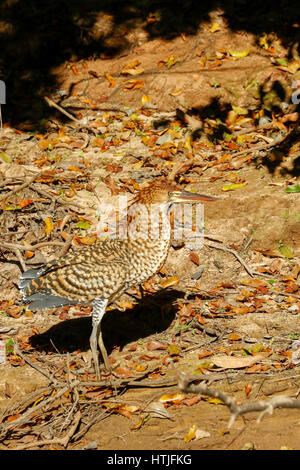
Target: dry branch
{"points": [[233, 252], [32, 364], [63, 441], [185, 384], [19, 188]]}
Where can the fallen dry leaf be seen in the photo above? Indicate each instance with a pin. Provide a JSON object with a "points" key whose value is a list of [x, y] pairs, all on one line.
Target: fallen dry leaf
{"points": [[111, 80], [172, 398], [132, 84], [153, 345], [171, 281], [231, 362], [191, 434], [48, 225]]}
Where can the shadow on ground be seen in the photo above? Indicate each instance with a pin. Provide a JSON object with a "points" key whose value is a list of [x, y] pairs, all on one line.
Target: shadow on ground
{"points": [[37, 36], [153, 314]]}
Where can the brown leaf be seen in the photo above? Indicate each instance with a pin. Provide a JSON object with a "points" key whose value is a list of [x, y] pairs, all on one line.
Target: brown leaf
{"points": [[292, 117], [113, 168], [25, 202], [153, 345], [74, 70], [205, 353], [191, 401], [234, 337], [145, 357], [194, 257], [248, 388], [239, 310], [231, 362], [123, 373], [12, 418]]}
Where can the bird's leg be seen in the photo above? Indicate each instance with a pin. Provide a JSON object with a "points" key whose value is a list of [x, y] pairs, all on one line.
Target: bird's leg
{"points": [[99, 307], [141, 291]]}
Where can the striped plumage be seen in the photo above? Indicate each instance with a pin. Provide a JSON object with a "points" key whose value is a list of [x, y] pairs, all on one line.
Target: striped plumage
{"points": [[98, 274]]}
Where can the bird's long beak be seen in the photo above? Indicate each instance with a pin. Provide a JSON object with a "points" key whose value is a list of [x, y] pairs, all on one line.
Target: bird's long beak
{"points": [[186, 196]]}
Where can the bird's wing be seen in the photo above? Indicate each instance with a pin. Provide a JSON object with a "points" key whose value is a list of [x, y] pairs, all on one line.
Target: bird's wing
{"points": [[74, 283], [107, 251]]}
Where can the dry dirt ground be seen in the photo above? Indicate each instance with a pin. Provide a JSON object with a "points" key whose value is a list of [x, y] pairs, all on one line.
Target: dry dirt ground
{"points": [[173, 120]]}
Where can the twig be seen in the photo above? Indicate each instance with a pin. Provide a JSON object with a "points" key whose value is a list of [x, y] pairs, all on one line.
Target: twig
{"points": [[19, 188], [21, 261], [63, 441], [284, 294], [14, 246], [66, 246], [185, 384], [52, 104], [56, 198], [177, 167], [233, 252], [95, 419], [43, 403], [34, 366]]}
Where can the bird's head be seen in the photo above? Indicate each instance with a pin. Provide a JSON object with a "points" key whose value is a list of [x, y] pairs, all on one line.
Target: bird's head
{"points": [[163, 192]]}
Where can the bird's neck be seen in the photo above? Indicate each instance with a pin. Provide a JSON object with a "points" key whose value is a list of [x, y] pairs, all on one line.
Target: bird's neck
{"points": [[149, 222]]}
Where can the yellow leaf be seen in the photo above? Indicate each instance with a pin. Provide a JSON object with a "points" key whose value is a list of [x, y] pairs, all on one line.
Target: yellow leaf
{"points": [[263, 42], [239, 110], [176, 92], [75, 168], [203, 61], [130, 67], [171, 281], [174, 398], [232, 187], [240, 139], [145, 99], [191, 434], [294, 65], [133, 84], [5, 157], [216, 401], [215, 27], [173, 350], [238, 54], [86, 240], [188, 143], [111, 80], [170, 61], [140, 368], [125, 304], [48, 225]]}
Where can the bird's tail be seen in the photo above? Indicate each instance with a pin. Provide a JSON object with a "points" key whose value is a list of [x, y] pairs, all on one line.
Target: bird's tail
{"points": [[27, 277], [38, 297]]}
